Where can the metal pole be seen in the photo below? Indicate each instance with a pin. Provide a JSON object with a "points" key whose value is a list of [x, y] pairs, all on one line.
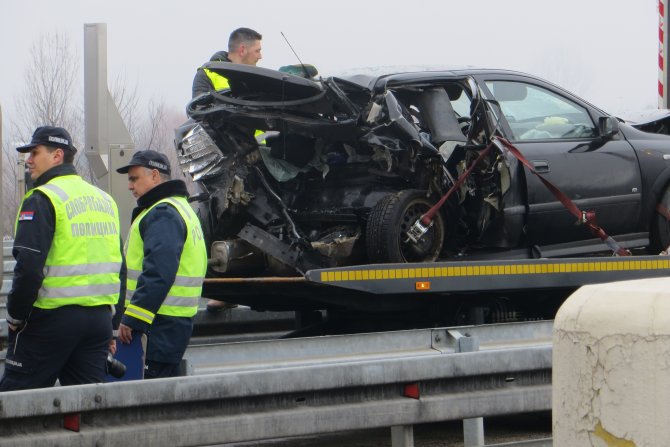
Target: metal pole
{"points": [[108, 144], [473, 428], [402, 436]]}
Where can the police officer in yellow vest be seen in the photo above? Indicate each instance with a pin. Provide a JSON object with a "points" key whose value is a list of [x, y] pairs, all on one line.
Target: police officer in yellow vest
{"points": [[244, 47], [67, 275], [167, 261]]}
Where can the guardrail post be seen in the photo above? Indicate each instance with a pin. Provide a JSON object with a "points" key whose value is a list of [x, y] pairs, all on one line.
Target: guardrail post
{"points": [[402, 436], [473, 429]]}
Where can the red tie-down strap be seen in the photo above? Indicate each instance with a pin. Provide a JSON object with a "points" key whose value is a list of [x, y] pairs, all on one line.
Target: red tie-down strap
{"points": [[663, 211], [583, 217], [427, 219]]}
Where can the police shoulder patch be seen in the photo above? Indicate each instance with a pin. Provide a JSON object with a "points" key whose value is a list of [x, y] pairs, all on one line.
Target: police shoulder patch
{"points": [[26, 215]]}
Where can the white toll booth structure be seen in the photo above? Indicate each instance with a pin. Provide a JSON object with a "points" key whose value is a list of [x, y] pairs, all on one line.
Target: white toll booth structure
{"points": [[108, 144]]}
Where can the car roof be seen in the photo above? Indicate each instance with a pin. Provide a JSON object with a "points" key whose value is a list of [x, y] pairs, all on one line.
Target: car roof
{"points": [[373, 78]]}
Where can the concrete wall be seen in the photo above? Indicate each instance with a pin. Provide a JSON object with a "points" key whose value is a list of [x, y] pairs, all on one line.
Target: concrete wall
{"points": [[611, 366]]}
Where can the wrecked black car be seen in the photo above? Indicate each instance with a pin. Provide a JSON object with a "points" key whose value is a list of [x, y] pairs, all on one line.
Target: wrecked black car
{"points": [[297, 173]]}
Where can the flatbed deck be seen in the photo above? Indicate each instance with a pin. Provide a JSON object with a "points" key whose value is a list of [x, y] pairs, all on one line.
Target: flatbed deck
{"points": [[377, 287]]}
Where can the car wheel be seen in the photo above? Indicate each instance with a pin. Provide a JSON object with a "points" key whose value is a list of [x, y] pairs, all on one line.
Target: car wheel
{"points": [[388, 223], [660, 228]]}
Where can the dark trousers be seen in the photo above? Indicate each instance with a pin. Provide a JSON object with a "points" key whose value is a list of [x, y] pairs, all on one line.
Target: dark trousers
{"points": [[69, 343], [159, 370], [166, 344]]}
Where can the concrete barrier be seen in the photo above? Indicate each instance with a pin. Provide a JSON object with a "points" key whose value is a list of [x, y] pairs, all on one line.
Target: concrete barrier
{"points": [[611, 366]]}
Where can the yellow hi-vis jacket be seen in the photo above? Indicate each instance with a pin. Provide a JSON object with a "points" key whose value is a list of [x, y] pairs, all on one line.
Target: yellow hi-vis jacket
{"points": [[84, 261], [182, 298], [220, 83]]}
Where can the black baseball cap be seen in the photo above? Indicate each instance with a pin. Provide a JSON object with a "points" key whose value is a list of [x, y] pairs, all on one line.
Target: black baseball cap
{"points": [[49, 136], [149, 159]]}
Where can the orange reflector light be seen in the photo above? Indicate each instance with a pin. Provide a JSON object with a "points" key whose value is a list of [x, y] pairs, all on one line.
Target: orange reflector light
{"points": [[422, 285]]}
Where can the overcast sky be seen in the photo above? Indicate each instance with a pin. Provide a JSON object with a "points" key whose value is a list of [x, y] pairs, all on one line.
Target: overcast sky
{"points": [[604, 50]]}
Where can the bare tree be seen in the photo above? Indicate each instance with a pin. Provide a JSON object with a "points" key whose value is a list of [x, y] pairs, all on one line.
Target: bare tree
{"points": [[157, 133], [52, 96], [127, 101], [12, 174], [49, 97], [153, 133]]}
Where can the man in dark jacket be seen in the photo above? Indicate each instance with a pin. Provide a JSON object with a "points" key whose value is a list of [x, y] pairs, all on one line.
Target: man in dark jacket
{"points": [[68, 272], [167, 261], [244, 47]]}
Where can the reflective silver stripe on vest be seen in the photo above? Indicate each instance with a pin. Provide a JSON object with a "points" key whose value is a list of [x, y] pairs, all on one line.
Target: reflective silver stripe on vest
{"points": [[57, 190], [180, 301], [77, 291], [83, 269], [170, 300], [140, 314], [188, 281]]}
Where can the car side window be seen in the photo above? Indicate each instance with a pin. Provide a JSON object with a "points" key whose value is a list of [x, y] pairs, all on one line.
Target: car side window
{"points": [[460, 100], [535, 113]]}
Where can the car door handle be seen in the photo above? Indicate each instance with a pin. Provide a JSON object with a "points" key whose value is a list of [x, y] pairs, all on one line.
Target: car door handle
{"points": [[541, 166]]}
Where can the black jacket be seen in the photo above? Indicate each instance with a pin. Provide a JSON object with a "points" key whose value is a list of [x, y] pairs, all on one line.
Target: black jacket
{"points": [[201, 83], [32, 243]]}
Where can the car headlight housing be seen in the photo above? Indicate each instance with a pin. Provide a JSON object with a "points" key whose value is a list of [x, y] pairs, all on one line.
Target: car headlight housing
{"points": [[198, 155]]}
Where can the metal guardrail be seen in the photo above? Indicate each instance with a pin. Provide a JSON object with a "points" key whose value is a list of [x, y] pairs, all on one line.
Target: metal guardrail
{"points": [[286, 388], [260, 355]]}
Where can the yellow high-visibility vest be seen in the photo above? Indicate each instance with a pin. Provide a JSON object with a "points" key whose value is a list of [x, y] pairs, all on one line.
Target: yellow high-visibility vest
{"points": [[84, 261], [218, 82], [182, 298]]}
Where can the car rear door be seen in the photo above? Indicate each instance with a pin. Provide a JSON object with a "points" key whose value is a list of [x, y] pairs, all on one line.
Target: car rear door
{"points": [[558, 134]]}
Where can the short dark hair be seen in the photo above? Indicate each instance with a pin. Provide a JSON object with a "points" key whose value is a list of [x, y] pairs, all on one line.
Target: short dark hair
{"points": [[240, 36], [68, 156]]}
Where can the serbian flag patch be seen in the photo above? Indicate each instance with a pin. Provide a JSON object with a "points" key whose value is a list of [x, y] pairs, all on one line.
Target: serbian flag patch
{"points": [[26, 215]]}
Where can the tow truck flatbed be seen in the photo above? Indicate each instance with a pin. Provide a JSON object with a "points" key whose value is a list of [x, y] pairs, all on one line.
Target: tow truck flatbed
{"points": [[375, 287]]}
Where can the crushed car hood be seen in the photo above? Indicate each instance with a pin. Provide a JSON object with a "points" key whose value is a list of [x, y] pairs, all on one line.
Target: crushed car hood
{"points": [[653, 121], [270, 100]]}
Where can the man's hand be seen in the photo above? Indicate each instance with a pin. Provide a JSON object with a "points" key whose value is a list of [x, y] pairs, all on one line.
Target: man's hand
{"points": [[125, 333], [14, 324], [112, 346]]}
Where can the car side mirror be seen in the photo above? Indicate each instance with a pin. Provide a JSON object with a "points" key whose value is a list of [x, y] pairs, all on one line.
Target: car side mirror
{"points": [[608, 126]]}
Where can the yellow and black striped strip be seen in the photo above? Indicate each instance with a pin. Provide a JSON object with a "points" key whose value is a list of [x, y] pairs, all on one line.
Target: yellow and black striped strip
{"points": [[539, 267]]}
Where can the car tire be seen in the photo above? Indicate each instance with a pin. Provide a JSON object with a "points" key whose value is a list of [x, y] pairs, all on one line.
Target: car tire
{"points": [[390, 219], [660, 228]]}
